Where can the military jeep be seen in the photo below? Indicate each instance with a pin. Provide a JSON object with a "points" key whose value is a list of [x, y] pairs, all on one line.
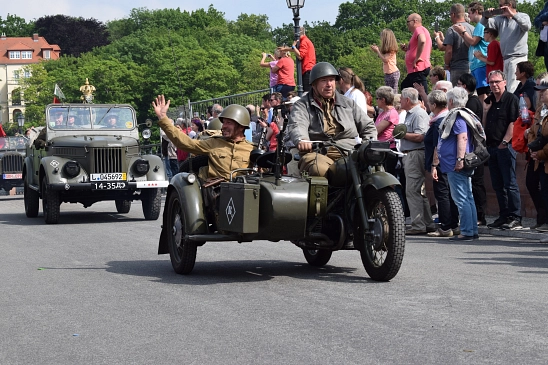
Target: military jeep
{"points": [[12, 153], [89, 153]]}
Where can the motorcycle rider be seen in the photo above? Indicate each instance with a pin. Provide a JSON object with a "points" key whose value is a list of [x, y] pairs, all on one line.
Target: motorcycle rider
{"points": [[324, 114], [225, 153]]}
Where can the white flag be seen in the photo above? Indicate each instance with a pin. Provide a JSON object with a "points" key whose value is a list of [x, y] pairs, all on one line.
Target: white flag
{"points": [[57, 92]]}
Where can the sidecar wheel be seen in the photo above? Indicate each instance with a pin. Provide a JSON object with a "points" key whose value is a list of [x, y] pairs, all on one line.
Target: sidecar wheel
{"points": [[383, 254], [181, 252], [317, 258]]}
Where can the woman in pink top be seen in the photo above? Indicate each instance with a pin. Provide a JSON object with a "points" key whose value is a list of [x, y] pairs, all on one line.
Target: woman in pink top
{"points": [[270, 65], [385, 123], [387, 53]]}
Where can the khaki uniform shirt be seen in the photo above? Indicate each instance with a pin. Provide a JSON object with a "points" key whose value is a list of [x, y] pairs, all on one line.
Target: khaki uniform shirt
{"points": [[224, 156]]}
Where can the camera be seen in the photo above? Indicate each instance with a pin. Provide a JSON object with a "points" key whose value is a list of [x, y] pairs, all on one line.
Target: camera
{"points": [[538, 143], [492, 13]]}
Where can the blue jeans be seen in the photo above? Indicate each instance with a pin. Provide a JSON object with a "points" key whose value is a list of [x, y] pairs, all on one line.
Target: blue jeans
{"points": [[167, 167], [461, 192], [448, 212], [502, 166]]}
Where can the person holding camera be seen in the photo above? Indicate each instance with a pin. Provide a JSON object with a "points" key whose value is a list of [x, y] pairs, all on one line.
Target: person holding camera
{"points": [[271, 64], [513, 28]]}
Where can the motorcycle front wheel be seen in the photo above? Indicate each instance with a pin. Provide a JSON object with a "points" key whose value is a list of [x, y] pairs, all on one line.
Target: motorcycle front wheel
{"points": [[382, 253]]}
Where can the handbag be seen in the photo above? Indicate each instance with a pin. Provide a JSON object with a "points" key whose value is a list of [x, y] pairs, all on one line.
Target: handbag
{"points": [[479, 156]]}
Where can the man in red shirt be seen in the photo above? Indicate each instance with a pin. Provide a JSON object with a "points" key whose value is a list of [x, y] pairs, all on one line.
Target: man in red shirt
{"points": [[307, 54]]}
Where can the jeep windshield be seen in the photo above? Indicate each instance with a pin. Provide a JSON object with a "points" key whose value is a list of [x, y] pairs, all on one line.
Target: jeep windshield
{"points": [[91, 117], [13, 143]]}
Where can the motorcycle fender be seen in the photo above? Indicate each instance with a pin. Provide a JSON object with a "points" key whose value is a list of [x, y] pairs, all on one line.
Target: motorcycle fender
{"points": [[380, 180], [190, 198]]}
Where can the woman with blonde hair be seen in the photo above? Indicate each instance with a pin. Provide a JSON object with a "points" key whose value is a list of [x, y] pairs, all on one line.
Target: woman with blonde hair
{"points": [[387, 53], [285, 68], [270, 65]]}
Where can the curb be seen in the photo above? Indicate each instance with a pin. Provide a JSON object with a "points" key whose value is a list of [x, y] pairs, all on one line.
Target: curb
{"points": [[518, 233]]}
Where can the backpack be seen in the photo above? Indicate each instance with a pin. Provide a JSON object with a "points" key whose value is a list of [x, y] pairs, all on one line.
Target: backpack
{"points": [[480, 155]]}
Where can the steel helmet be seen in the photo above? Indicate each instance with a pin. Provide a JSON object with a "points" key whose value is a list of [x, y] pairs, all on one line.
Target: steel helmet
{"points": [[215, 124], [237, 113], [322, 69]]}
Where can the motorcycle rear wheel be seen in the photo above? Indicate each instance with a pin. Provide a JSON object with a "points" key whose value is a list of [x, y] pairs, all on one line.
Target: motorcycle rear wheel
{"points": [[382, 256], [317, 258], [182, 252]]}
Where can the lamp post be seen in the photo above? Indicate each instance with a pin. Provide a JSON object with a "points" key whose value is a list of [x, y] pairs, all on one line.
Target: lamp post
{"points": [[21, 122], [295, 5]]}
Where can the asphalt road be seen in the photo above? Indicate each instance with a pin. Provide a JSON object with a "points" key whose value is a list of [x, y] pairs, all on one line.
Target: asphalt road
{"points": [[92, 290]]}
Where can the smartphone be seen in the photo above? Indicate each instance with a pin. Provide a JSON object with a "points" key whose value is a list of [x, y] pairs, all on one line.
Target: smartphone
{"points": [[437, 26], [492, 13]]}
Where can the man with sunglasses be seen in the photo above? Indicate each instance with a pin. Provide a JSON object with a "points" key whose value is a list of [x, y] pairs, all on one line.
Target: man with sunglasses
{"points": [[501, 109], [513, 28]]}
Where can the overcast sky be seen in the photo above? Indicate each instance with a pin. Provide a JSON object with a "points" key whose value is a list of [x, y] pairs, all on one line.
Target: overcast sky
{"points": [[103, 10]]}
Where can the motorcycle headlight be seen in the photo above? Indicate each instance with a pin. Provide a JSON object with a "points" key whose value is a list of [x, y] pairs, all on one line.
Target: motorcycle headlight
{"points": [[71, 169], [373, 153], [140, 167]]}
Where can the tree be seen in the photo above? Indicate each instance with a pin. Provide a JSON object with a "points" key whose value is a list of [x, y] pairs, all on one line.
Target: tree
{"points": [[73, 35], [14, 26]]}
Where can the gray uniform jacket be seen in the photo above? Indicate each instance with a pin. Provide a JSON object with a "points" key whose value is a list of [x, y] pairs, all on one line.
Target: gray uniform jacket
{"points": [[306, 121]]}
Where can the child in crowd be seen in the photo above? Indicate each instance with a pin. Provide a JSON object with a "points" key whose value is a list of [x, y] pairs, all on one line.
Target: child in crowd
{"points": [[387, 53]]}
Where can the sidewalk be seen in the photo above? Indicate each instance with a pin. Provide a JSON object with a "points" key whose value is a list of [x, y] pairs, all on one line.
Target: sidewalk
{"points": [[525, 233]]}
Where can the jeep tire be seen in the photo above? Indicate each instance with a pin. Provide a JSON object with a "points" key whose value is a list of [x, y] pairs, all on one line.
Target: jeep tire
{"points": [[123, 206], [151, 200], [51, 203], [32, 201]]}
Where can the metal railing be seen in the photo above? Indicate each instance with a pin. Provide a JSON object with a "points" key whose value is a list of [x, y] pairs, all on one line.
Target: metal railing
{"points": [[200, 107]]}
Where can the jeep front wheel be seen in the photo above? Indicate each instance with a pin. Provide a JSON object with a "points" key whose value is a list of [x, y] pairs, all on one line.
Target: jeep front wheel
{"points": [[32, 201], [51, 204], [151, 200], [123, 206]]}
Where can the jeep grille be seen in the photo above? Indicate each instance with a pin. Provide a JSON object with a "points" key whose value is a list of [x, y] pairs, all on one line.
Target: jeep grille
{"points": [[107, 160], [11, 163]]}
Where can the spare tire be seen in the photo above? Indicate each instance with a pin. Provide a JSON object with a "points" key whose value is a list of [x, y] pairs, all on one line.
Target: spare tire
{"points": [[193, 164]]}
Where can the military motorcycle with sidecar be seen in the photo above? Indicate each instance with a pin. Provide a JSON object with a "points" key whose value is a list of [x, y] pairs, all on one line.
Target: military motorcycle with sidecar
{"points": [[355, 208]]}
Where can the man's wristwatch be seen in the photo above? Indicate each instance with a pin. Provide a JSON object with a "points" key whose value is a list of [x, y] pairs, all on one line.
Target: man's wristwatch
{"points": [[462, 34], [505, 142], [459, 159]]}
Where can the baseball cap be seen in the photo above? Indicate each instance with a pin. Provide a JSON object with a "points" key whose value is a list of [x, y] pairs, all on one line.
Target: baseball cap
{"points": [[542, 86]]}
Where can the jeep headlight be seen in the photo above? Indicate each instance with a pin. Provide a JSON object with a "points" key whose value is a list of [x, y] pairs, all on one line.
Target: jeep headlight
{"points": [[140, 167], [71, 169]]}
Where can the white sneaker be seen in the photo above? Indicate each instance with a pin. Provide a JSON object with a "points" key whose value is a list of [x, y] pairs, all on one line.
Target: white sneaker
{"points": [[441, 233]]}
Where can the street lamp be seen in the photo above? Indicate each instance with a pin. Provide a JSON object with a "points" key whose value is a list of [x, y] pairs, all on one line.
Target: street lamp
{"points": [[21, 122], [295, 5]]}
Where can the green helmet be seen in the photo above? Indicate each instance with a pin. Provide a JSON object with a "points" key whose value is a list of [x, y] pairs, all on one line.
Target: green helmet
{"points": [[399, 131], [215, 124], [237, 113], [322, 69]]}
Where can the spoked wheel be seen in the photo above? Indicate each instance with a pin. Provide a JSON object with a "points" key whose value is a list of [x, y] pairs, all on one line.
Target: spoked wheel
{"points": [[382, 253], [32, 201], [317, 258], [123, 206], [51, 204], [181, 251]]}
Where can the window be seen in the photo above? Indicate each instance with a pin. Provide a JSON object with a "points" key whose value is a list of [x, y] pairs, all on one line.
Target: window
{"points": [[47, 54], [16, 74], [26, 55], [27, 74], [15, 55]]}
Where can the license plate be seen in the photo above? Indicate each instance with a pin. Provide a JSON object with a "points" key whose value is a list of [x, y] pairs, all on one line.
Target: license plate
{"points": [[115, 176], [12, 176], [109, 185]]}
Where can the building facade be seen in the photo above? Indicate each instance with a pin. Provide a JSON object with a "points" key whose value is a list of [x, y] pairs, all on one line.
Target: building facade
{"points": [[15, 53]]}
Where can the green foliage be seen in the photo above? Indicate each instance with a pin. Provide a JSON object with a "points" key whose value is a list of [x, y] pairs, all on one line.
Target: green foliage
{"points": [[200, 55], [14, 26]]}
